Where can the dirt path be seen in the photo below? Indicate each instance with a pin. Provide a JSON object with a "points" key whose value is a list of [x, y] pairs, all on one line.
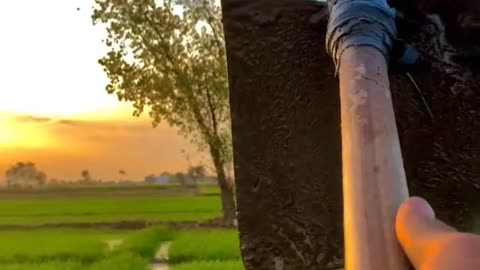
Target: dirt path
{"points": [[161, 258], [160, 266]]}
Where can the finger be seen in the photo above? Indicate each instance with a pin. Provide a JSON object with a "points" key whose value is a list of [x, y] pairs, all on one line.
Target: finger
{"points": [[418, 230]]}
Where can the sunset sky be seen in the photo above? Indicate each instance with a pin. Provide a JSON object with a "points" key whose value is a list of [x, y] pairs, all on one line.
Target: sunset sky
{"points": [[54, 110]]}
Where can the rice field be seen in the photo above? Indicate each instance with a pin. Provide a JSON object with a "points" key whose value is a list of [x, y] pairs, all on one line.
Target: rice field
{"points": [[26, 243]]}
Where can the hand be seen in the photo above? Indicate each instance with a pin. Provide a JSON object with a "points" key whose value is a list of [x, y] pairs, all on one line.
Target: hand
{"points": [[431, 244]]}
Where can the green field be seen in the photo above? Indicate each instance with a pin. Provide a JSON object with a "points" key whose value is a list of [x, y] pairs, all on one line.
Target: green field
{"points": [[226, 246], [124, 261], [132, 250], [76, 245], [28, 243], [82, 249], [111, 209], [212, 265], [102, 191]]}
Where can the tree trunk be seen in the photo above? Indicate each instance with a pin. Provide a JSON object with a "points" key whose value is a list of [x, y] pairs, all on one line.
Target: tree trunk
{"points": [[226, 189], [286, 131]]}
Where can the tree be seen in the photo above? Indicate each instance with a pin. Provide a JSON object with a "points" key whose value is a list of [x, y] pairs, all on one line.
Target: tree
{"points": [[180, 177], [22, 175], [174, 65], [150, 178], [122, 174], [86, 177], [196, 173]]}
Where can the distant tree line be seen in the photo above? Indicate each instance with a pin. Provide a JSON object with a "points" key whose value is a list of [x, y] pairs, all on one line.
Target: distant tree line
{"points": [[26, 175], [193, 176]]}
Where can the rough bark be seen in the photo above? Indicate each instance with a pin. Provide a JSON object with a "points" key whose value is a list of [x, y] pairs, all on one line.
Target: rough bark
{"points": [[286, 130]]}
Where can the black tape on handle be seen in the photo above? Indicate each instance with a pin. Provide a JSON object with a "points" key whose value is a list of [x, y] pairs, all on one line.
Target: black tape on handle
{"points": [[360, 23]]}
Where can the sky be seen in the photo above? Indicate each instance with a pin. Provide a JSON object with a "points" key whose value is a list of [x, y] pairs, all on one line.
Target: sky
{"points": [[54, 110]]}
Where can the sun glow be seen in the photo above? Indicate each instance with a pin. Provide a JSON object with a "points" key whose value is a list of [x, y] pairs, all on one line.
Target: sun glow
{"points": [[15, 135], [54, 109], [56, 78]]}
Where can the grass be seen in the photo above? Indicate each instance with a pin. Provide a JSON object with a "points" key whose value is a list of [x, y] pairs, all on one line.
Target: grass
{"points": [[123, 261], [79, 249], [146, 242], [96, 249], [95, 191], [90, 250], [212, 265], [218, 245], [206, 250], [37, 212], [210, 191], [45, 245], [52, 265]]}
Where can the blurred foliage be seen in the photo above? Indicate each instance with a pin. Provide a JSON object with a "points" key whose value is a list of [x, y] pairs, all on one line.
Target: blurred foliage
{"points": [[25, 175]]}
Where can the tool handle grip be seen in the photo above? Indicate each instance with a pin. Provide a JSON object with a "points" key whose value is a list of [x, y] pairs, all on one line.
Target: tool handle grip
{"points": [[374, 182]]}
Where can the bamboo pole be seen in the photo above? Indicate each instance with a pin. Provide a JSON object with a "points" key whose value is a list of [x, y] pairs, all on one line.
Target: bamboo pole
{"points": [[374, 182]]}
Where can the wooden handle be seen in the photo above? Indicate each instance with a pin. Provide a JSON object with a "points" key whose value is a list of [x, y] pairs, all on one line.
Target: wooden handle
{"points": [[374, 182]]}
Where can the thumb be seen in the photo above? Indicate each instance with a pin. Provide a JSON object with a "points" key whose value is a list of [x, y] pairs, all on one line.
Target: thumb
{"points": [[418, 230]]}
